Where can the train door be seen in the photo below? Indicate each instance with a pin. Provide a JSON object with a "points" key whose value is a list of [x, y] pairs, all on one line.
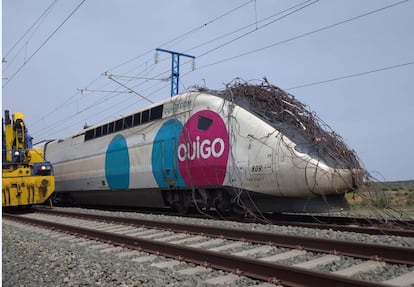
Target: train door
{"points": [[168, 173], [164, 156]]}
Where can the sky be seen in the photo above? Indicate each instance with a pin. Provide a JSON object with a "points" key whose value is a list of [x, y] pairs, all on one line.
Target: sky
{"points": [[71, 63]]}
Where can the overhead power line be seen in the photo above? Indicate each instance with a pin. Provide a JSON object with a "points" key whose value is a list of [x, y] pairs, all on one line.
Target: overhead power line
{"points": [[129, 89], [289, 11], [40, 20], [85, 90], [254, 24], [141, 78], [351, 76], [44, 43], [303, 35], [185, 34], [265, 25], [31, 27]]}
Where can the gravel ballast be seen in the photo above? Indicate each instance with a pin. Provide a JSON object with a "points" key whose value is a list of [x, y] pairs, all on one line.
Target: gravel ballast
{"points": [[35, 258]]}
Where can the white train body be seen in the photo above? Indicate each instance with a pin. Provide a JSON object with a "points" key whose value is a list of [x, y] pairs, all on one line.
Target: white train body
{"points": [[194, 149]]}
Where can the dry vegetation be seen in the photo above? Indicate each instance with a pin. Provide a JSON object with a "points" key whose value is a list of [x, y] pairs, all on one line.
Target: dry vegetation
{"points": [[396, 196]]}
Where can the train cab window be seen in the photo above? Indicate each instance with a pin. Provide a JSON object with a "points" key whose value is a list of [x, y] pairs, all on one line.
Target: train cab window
{"points": [[105, 129], [156, 113], [145, 117], [203, 123], [89, 135], [128, 122], [98, 132], [118, 125], [110, 128], [137, 119]]}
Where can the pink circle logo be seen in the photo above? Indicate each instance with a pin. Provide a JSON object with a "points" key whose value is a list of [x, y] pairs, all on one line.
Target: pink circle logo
{"points": [[203, 149]]}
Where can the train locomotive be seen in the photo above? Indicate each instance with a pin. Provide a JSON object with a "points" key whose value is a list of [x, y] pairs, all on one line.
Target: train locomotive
{"points": [[246, 148], [27, 178]]}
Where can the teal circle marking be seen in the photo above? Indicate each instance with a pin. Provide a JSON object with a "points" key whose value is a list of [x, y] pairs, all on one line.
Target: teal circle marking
{"points": [[164, 155], [117, 163]]}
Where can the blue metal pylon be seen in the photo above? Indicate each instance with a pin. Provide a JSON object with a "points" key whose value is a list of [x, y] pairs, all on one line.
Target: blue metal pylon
{"points": [[175, 68]]}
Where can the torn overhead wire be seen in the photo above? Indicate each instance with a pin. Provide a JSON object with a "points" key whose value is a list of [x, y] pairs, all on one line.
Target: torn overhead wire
{"points": [[86, 90], [293, 119]]}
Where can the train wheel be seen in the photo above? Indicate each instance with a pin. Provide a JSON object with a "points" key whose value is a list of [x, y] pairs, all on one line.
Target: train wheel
{"points": [[237, 211], [180, 208], [221, 210], [221, 202], [221, 206], [180, 201]]}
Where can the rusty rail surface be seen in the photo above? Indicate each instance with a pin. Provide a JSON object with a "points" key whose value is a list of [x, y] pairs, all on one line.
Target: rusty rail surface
{"points": [[270, 272], [372, 230], [386, 253], [341, 219], [371, 226]]}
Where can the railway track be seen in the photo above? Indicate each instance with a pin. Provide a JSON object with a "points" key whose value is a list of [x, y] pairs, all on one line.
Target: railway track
{"points": [[252, 253], [371, 226], [350, 224]]}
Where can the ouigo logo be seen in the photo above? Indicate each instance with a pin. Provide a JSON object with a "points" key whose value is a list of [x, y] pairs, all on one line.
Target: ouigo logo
{"points": [[203, 149]]}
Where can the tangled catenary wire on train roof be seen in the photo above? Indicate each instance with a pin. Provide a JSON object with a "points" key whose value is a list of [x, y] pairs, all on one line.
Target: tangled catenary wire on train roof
{"points": [[292, 118]]}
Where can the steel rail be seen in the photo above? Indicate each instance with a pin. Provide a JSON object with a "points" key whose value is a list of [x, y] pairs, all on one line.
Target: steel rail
{"points": [[340, 219], [370, 226], [372, 230], [386, 253], [271, 272]]}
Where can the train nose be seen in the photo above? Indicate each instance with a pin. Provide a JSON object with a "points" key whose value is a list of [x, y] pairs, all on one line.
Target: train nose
{"points": [[357, 178], [324, 180]]}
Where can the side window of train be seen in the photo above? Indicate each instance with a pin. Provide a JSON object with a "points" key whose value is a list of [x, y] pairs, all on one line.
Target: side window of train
{"points": [[137, 119], [156, 113], [145, 117], [105, 129], [133, 120], [118, 125], [89, 134], [98, 132], [204, 123], [128, 122]]}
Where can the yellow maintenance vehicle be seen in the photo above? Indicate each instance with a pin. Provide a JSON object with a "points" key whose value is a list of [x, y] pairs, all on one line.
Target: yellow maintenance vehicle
{"points": [[27, 178]]}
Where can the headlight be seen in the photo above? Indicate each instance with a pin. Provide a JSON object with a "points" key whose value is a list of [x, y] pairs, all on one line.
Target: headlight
{"points": [[43, 167]]}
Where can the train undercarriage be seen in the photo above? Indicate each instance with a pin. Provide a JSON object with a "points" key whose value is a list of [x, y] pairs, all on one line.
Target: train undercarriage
{"points": [[224, 200]]}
